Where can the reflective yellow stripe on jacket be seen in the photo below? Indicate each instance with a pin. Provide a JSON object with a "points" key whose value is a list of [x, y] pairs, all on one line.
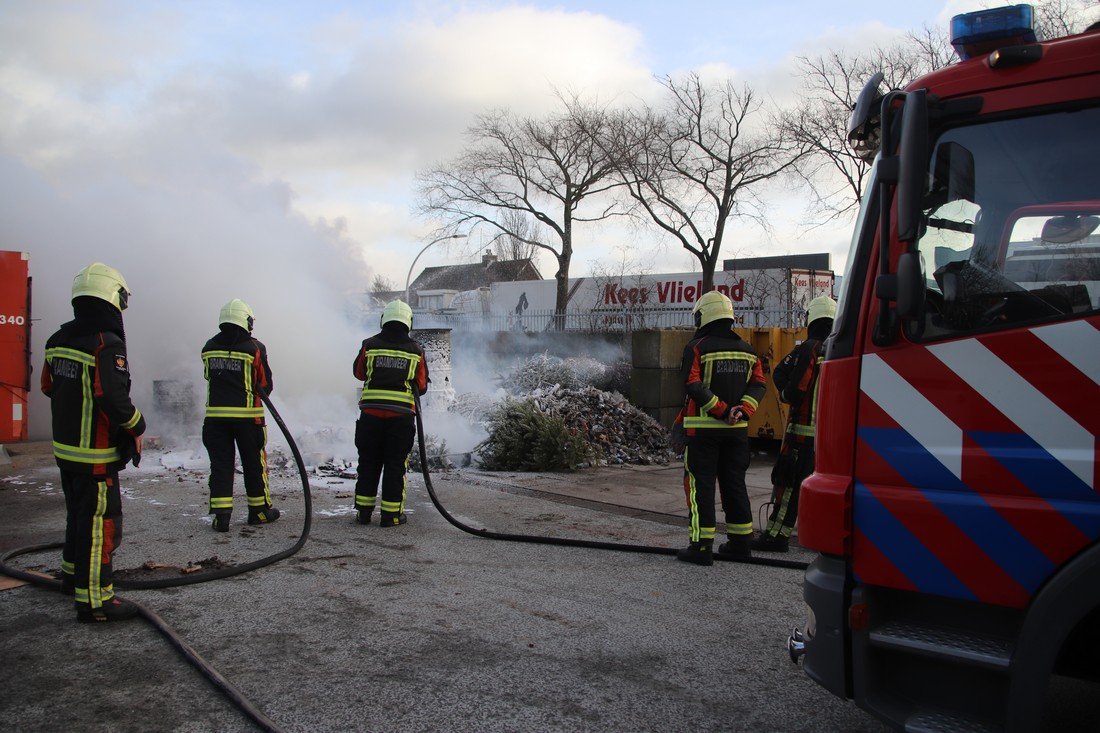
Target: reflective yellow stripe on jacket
{"points": [[705, 421], [87, 408], [404, 396], [77, 454], [707, 361], [249, 409]]}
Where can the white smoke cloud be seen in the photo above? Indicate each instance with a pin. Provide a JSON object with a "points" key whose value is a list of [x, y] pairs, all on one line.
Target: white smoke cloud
{"points": [[187, 242]]}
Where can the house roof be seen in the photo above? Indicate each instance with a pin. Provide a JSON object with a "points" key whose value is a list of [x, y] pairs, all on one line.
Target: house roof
{"points": [[475, 275]]}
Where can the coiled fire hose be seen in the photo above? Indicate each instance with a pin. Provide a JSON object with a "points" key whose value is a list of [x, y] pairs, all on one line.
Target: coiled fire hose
{"points": [[219, 682], [566, 541]]}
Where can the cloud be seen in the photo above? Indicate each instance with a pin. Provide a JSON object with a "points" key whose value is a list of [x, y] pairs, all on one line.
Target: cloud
{"points": [[91, 47]]}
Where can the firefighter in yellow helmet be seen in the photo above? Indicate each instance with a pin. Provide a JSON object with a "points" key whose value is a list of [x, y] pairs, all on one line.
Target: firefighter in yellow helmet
{"points": [[723, 384], [795, 379], [96, 432], [236, 370], [391, 365]]}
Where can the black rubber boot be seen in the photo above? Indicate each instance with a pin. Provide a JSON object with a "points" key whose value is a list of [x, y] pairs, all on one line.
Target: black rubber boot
{"points": [[115, 609], [221, 522], [738, 545], [263, 516], [767, 543], [363, 516], [698, 553], [392, 519], [68, 584]]}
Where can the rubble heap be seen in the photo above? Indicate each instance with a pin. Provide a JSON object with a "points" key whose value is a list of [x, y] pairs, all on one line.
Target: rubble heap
{"points": [[562, 416], [575, 372], [435, 449], [617, 431]]}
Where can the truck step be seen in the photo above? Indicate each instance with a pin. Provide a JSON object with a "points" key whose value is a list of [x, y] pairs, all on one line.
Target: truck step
{"points": [[988, 652], [934, 721]]}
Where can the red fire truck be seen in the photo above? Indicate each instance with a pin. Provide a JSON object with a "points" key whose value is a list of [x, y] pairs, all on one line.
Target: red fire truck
{"points": [[15, 345], [955, 504]]}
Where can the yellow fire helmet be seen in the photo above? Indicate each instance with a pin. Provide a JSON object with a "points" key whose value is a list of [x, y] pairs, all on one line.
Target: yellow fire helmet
{"points": [[398, 310], [238, 313], [820, 307], [103, 282], [712, 306]]}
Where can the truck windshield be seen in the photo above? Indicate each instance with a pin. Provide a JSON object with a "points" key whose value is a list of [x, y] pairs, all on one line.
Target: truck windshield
{"points": [[1010, 223]]}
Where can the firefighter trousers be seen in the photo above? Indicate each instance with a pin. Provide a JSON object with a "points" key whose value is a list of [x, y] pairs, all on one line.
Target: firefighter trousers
{"points": [[722, 456], [383, 444], [794, 465], [93, 530], [223, 439]]}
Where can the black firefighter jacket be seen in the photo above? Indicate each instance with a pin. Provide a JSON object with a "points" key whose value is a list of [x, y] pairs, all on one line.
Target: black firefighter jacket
{"points": [[720, 372], [87, 378], [235, 366], [391, 364]]}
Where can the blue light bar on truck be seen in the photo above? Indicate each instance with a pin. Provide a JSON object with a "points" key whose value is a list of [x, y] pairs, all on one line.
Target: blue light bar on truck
{"points": [[985, 30]]}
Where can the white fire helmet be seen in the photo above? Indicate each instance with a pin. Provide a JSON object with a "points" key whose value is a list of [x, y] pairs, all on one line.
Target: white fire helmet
{"points": [[238, 313], [712, 306], [820, 307], [398, 310], [103, 282]]}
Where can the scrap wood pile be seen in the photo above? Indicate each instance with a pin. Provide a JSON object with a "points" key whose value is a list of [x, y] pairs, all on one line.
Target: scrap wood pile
{"points": [[617, 430], [560, 428]]}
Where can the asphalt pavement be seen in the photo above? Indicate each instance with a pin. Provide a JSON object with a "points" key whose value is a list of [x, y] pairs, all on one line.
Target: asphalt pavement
{"points": [[413, 628]]}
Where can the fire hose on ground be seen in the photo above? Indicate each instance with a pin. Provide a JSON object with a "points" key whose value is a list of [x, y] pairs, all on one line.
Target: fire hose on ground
{"points": [[227, 688], [220, 683], [565, 541]]}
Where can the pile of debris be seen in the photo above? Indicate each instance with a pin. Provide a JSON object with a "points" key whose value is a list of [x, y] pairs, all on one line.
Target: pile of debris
{"points": [[575, 372], [336, 469], [616, 430], [562, 415], [435, 448]]}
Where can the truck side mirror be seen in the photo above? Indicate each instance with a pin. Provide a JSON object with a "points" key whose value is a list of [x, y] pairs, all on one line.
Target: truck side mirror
{"points": [[913, 165], [865, 124]]}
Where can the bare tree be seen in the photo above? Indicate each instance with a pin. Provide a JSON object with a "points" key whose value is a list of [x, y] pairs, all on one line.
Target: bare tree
{"points": [[834, 174], [623, 290], [515, 242], [699, 162], [1058, 18], [379, 286], [530, 179]]}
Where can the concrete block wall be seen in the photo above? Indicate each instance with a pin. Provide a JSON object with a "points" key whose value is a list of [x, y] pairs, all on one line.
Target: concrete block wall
{"points": [[655, 386]]}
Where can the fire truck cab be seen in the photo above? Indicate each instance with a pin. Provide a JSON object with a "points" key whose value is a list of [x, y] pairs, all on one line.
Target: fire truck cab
{"points": [[954, 503]]}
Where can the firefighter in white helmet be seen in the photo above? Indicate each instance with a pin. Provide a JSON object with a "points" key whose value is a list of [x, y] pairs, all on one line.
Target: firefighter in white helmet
{"points": [[236, 370], [96, 432], [795, 379], [723, 382], [391, 365]]}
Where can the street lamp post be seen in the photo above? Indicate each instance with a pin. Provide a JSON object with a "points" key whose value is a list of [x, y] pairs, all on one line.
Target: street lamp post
{"points": [[408, 279]]}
